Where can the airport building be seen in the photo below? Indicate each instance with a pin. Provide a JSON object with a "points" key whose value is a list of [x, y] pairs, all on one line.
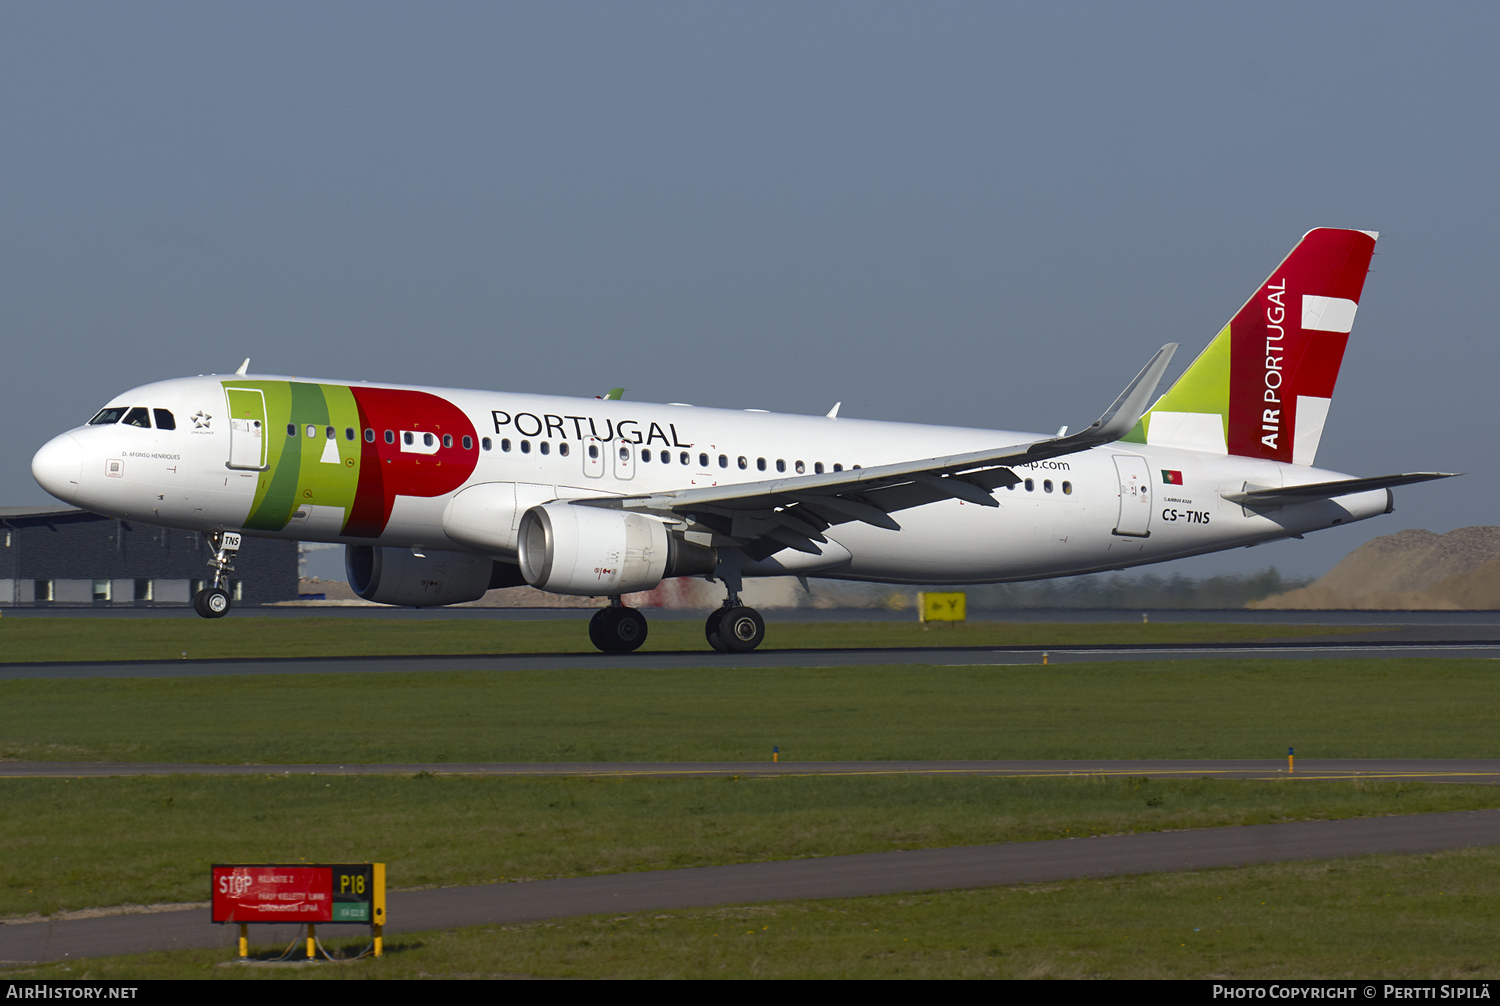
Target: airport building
{"points": [[66, 557]]}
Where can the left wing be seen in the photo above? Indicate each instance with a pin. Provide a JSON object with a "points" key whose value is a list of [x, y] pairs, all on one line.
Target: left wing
{"points": [[765, 517]]}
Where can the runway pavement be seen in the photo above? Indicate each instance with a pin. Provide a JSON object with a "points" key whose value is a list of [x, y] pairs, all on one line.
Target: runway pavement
{"points": [[830, 877], [951, 656], [1451, 770]]}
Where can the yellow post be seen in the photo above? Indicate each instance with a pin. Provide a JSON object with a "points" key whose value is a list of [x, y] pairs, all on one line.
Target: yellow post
{"points": [[1289, 768], [244, 941], [1044, 657], [377, 908], [312, 941]]}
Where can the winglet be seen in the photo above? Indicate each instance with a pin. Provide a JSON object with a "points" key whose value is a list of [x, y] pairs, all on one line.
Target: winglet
{"points": [[243, 367], [1127, 410], [833, 413]]}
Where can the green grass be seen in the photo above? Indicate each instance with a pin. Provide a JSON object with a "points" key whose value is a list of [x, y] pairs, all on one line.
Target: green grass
{"points": [[73, 844], [67, 639], [1212, 708], [1435, 916]]}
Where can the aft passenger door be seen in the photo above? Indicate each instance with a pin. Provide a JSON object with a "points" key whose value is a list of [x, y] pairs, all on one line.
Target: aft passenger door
{"points": [[1135, 496]]}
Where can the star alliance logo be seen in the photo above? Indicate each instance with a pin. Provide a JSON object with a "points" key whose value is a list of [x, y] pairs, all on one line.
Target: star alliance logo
{"points": [[200, 420]]}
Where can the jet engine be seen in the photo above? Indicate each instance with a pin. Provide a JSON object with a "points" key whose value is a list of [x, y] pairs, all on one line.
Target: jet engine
{"points": [[400, 576], [590, 550]]}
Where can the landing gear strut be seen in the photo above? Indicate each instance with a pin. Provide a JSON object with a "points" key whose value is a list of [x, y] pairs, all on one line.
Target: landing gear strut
{"points": [[734, 628], [213, 601], [617, 629]]}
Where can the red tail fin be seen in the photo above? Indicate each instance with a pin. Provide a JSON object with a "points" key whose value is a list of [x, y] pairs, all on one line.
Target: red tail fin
{"points": [[1288, 342]]}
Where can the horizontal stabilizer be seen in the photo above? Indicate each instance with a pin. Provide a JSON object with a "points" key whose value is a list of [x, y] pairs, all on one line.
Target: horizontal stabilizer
{"points": [[1291, 495]]}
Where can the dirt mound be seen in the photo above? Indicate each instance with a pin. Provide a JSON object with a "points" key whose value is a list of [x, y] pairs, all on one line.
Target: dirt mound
{"points": [[1409, 570]]}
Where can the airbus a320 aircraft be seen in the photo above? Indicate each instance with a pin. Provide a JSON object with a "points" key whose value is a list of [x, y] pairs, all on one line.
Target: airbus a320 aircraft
{"points": [[439, 495]]}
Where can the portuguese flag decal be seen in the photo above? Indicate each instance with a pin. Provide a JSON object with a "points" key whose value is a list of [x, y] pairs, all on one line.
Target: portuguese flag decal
{"points": [[1171, 478]]}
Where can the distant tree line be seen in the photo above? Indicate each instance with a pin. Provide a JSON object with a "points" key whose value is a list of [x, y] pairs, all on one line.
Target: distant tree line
{"points": [[1094, 590]]}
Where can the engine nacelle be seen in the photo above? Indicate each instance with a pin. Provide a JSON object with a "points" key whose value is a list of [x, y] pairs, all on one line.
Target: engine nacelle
{"points": [[590, 550], [396, 576]]}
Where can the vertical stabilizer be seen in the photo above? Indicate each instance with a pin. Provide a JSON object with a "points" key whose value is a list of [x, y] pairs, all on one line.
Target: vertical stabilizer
{"points": [[1262, 387]]}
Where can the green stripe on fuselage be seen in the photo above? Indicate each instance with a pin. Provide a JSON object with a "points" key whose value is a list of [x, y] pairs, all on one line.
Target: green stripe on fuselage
{"points": [[296, 473]]}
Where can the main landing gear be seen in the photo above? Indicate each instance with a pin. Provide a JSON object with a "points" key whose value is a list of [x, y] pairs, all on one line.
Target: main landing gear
{"points": [[617, 629], [213, 601], [733, 628]]}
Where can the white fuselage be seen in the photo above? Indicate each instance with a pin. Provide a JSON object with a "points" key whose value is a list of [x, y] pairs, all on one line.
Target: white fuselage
{"points": [[1107, 508]]}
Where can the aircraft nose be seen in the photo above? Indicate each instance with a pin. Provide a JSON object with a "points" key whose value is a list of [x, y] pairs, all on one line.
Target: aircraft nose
{"points": [[57, 467]]}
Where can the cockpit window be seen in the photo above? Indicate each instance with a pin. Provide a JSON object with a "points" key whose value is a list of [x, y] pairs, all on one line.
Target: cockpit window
{"points": [[137, 417], [106, 417], [164, 420]]}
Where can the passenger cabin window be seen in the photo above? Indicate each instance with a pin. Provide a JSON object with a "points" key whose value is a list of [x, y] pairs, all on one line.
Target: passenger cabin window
{"points": [[164, 419], [468, 443], [312, 431], [106, 417], [331, 433], [544, 447], [390, 436], [348, 433], [485, 443], [138, 417], [801, 468], [703, 461], [369, 436], [818, 467], [780, 465], [723, 461], [447, 440], [562, 448], [760, 464]]}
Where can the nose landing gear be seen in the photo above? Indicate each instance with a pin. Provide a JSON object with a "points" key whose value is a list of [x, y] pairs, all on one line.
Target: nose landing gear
{"points": [[213, 601]]}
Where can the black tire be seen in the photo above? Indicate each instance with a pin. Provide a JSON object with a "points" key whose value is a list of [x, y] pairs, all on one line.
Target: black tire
{"points": [[741, 629], [618, 630], [211, 602], [711, 630]]}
